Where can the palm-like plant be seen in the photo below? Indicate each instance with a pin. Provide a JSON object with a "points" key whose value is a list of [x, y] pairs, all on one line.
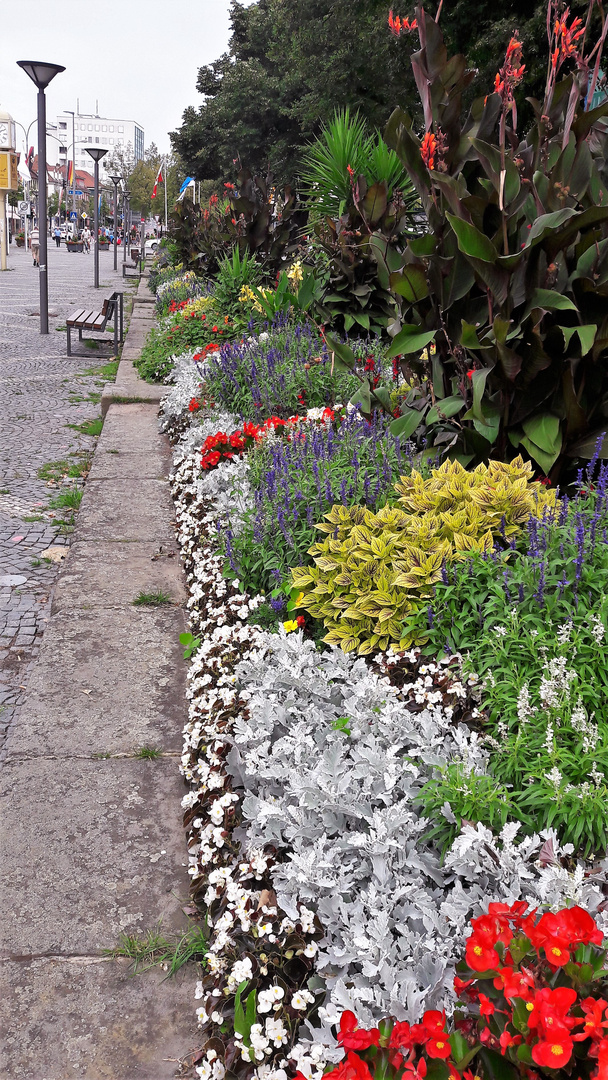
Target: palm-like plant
{"points": [[345, 150]]}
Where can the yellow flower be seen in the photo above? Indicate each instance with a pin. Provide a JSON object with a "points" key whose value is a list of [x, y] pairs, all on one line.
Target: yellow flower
{"points": [[290, 625], [295, 273]]}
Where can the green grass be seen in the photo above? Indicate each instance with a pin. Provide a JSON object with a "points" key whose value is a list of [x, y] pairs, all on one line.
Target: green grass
{"points": [[106, 371], [58, 470], [149, 753], [88, 427], [151, 599], [153, 948], [4, 491], [71, 499], [37, 562], [33, 517]]}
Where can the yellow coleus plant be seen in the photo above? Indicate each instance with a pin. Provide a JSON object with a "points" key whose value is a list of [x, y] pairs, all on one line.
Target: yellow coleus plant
{"points": [[373, 570]]}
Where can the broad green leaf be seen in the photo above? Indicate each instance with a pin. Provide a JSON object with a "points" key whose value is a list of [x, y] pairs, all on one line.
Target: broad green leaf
{"points": [[344, 358], [550, 300], [374, 203], [544, 430], [405, 425], [471, 241], [410, 339], [546, 461], [469, 338], [586, 336], [438, 381], [423, 245], [479, 384], [383, 395], [363, 398], [410, 283], [450, 406]]}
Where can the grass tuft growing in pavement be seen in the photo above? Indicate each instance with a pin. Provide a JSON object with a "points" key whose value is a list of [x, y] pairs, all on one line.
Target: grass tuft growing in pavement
{"points": [[56, 471], [107, 371], [153, 948], [151, 599], [71, 498], [149, 753], [88, 427]]}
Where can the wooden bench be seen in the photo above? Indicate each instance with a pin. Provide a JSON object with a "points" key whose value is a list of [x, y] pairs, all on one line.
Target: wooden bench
{"points": [[85, 319], [127, 267]]}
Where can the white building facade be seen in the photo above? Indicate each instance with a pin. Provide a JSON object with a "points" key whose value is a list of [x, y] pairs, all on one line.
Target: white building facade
{"points": [[90, 130]]}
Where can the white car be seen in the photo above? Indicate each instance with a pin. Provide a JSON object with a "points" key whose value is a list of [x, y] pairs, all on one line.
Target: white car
{"points": [[152, 246]]}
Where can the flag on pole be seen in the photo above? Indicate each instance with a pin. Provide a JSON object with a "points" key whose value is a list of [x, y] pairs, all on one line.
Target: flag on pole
{"points": [[188, 182], [99, 207], [70, 173], [159, 180]]}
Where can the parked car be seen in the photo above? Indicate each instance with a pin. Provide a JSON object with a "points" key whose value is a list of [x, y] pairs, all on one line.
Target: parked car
{"points": [[152, 245]]}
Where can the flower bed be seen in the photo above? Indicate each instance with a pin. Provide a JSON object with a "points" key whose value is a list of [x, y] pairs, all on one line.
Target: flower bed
{"points": [[309, 850]]}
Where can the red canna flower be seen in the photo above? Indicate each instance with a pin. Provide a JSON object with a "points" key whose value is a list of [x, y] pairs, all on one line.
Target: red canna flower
{"points": [[428, 149]]}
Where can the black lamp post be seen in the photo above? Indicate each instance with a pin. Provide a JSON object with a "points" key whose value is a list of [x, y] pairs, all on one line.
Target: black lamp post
{"points": [[96, 153], [41, 75], [128, 227], [116, 181]]}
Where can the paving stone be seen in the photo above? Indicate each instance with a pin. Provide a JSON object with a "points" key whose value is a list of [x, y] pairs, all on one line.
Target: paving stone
{"points": [[105, 710], [114, 835], [63, 1019], [105, 574], [144, 512], [121, 465]]}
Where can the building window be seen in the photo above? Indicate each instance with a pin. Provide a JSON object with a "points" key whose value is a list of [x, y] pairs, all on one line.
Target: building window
{"points": [[96, 127], [111, 127], [62, 125], [104, 127], [97, 138], [90, 127], [120, 128], [63, 149], [111, 142]]}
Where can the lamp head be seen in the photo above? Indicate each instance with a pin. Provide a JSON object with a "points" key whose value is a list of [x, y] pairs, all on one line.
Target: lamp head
{"points": [[39, 72], [116, 180], [96, 152]]}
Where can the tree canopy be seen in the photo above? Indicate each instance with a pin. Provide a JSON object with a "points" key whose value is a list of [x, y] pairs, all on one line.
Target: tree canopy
{"points": [[289, 66], [140, 177]]}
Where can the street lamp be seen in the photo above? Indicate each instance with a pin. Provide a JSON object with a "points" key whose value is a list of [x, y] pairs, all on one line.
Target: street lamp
{"points": [[116, 181], [41, 75], [126, 228], [96, 153]]}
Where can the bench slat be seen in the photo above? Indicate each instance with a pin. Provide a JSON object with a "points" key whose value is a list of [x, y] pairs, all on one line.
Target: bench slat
{"points": [[75, 316], [87, 319]]}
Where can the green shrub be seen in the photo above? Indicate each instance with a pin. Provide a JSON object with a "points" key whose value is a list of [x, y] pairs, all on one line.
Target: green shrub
{"points": [[374, 570]]}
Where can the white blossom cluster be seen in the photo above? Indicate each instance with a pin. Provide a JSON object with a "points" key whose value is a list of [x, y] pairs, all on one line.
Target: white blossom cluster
{"points": [[304, 769]]}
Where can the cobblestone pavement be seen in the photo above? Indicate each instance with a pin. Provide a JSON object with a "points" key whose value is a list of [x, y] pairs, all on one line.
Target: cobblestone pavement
{"points": [[42, 393]]}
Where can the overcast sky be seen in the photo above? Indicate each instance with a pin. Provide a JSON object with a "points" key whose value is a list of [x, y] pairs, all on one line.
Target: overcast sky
{"points": [[137, 58]]}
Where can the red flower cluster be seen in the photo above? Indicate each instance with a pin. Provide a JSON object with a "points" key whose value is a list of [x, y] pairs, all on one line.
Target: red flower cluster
{"points": [[173, 306], [565, 38], [397, 24], [194, 404], [510, 74], [211, 347], [428, 150], [528, 1014], [527, 1008]]}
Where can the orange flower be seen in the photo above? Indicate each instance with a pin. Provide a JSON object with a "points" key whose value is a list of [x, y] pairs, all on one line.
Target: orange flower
{"points": [[397, 24], [428, 150]]}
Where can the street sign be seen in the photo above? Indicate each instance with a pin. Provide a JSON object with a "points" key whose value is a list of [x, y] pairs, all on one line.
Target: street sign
{"points": [[23, 207], [85, 216], [73, 215]]}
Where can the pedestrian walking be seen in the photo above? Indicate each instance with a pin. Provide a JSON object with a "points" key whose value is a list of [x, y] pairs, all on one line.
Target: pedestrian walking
{"points": [[57, 235], [35, 236]]}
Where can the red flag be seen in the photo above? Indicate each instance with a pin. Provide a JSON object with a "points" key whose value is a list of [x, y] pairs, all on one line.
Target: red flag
{"points": [[159, 180]]}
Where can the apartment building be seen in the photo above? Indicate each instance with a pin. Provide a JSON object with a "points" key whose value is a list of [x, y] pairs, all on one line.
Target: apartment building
{"points": [[94, 130]]}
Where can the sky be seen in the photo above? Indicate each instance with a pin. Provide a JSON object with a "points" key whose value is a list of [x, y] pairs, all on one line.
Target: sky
{"points": [[151, 79]]}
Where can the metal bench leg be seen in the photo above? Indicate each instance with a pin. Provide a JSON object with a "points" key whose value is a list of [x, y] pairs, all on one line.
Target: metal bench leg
{"points": [[69, 340], [115, 330], [80, 335]]}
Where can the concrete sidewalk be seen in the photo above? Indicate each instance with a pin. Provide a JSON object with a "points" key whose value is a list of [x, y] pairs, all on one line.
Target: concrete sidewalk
{"points": [[91, 842]]}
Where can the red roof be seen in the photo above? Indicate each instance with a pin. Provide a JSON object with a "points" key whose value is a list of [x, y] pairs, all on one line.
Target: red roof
{"points": [[84, 180]]}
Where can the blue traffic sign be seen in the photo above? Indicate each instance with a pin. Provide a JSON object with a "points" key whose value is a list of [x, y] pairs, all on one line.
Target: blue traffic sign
{"points": [[73, 215]]}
